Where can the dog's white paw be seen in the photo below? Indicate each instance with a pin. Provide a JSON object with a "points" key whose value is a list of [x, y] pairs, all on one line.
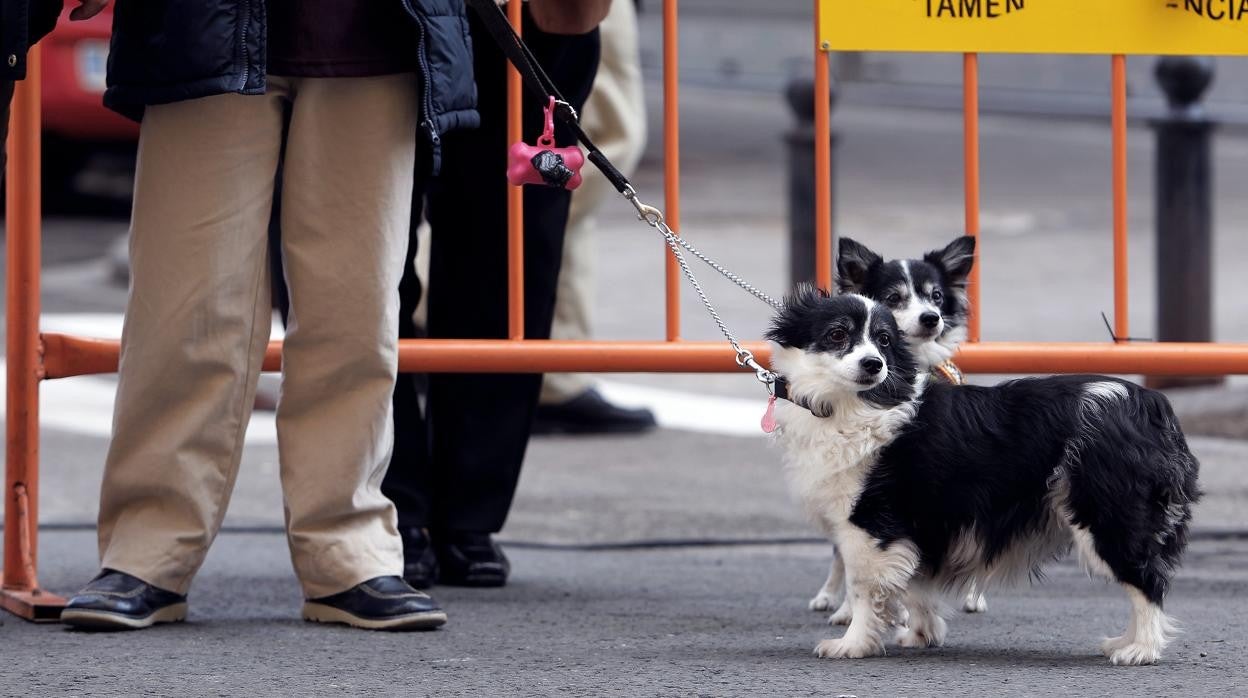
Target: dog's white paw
{"points": [[841, 649], [823, 601], [1113, 644], [842, 616], [921, 637], [909, 637], [1135, 654], [975, 603]]}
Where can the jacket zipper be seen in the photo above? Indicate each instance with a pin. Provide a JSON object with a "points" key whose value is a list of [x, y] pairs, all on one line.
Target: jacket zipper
{"points": [[246, 59], [426, 78]]}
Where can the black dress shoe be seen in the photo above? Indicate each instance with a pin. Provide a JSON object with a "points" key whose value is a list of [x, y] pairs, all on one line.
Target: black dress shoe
{"points": [[470, 560], [381, 603], [420, 564], [117, 601], [590, 413]]}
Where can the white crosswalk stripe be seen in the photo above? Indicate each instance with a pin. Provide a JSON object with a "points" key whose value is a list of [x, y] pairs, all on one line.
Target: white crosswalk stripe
{"points": [[84, 405]]}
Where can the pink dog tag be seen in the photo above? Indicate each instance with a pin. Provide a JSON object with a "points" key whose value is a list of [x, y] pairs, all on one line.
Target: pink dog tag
{"points": [[769, 417]]}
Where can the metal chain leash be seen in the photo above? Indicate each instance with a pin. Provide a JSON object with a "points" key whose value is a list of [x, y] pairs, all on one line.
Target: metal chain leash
{"points": [[748, 287], [654, 218]]}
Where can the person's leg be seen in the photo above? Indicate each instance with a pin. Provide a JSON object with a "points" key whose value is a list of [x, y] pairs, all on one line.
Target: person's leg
{"points": [[614, 117], [347, 194], [408, 482], [574, 299], [479, 423], [197, 323]]}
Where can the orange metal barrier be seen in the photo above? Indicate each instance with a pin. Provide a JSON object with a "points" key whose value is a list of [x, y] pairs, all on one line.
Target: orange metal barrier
{"points": [[33, 357], [19, 589]]}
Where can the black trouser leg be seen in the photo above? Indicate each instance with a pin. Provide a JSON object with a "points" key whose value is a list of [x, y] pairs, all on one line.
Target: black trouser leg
{"points": [[478, 424]]}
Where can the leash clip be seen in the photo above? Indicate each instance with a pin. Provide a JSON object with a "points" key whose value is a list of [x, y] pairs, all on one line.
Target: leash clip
{"points": [[645, 212], [745, 359], [559, 104]]}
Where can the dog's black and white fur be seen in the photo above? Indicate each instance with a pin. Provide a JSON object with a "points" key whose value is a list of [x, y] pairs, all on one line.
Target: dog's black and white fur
{"points": [[927, 297], [923, 487]]}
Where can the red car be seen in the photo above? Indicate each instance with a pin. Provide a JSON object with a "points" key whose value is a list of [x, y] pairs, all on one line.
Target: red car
{"points": [[88, 150], [75, 55]]}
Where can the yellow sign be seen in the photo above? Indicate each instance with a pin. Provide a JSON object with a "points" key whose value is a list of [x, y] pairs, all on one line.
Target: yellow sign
{"points": [[1197, 27]]}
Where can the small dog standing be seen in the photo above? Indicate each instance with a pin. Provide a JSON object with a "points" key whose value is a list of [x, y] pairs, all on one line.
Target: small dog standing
{"points": [[928, 299], [925, 487]]}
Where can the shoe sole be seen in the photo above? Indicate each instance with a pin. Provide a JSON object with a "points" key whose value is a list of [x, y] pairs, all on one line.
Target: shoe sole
{"points": [[86, 619], [320, 613]]}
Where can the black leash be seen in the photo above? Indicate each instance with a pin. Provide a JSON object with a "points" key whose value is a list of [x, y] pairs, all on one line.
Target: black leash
{"points": [[540, 84]]}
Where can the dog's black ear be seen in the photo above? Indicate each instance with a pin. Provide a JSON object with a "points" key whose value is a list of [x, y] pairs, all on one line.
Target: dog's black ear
{"points": [[956, 259], [852, 264], [803, 297], [791, 327]]}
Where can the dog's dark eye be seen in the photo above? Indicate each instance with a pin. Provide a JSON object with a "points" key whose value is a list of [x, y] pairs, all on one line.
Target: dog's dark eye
{"points": [[883, 340], [893, 299], [838, 335], [937, 296]]}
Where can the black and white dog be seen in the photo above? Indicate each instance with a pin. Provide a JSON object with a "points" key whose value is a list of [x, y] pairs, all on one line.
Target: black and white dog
{"points": [[924, 487], [927, 297]]}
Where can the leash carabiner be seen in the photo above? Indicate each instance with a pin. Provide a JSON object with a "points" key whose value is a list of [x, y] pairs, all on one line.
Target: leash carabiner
{"points": [[645, 212], [745, 359]]}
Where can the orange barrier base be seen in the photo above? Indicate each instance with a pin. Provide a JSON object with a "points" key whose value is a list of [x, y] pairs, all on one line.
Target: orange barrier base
{"points": [[65, 356], [35, 605]]}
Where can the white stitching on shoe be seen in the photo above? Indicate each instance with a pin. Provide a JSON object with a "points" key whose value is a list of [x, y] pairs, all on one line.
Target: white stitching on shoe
{"points": [[114, 594]]}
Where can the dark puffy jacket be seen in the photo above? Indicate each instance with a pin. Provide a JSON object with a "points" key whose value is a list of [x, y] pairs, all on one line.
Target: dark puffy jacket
{"points": [[22, 23], [170, 50]]}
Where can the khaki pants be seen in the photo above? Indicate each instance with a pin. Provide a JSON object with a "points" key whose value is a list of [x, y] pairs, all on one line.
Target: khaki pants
{"points": [[615, 119], [199, 313]]}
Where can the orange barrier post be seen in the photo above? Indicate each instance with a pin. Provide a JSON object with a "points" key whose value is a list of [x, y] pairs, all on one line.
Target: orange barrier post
{"points": [[1119, 128], [671, 161], [823, 163], [970, 157], [515, 197], [20, 592]]}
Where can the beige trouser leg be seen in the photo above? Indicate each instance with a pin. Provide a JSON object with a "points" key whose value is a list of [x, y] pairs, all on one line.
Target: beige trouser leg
{"points": [[198, 321], [346, 208], [614, 117]]}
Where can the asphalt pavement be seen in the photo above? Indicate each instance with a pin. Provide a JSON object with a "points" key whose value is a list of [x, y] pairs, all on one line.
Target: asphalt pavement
{"points": [[713, 621]]}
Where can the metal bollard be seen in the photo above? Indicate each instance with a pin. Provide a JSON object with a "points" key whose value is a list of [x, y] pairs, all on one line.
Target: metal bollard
{"points": [[1184, 200], [800, 140]]}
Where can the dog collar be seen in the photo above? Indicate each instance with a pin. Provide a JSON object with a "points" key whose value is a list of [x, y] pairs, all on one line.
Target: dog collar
{"points": [[781, 391], [949, 372]]}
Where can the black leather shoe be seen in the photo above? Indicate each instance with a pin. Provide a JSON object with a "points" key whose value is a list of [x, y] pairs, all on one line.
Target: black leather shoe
{"points": [[590, 413], [381, 603], [420, 564], [117, 601], [470, 560]]}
